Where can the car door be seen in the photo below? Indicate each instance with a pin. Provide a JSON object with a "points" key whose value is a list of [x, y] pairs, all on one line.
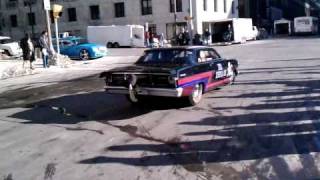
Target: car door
{"points": [[212, 65], [218, 66]]}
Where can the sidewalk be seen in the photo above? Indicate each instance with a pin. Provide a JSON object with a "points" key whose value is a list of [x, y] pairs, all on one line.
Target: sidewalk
{"points": [[13, 68]]}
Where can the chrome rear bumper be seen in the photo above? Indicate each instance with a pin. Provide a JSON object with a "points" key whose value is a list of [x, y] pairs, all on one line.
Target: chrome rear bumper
{"points": [[146, 91]]}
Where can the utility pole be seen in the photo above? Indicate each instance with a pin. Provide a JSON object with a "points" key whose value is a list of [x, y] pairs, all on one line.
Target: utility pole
{"points": [[175, 19], [29, 4], [190, 21], [47, 7], [57, 12]]}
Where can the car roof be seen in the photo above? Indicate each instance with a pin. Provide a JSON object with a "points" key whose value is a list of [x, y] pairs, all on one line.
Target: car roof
{"points": [[70, 38], [181, 48]]}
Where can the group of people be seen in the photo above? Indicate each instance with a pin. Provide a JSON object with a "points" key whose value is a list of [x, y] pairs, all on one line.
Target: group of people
{"points": [[153, 40], [28, 47], [183, 38]]}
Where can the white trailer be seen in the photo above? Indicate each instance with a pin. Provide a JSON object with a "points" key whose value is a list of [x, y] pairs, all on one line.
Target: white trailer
{"points": [[116, 36], [242, 30], [306, 25]]}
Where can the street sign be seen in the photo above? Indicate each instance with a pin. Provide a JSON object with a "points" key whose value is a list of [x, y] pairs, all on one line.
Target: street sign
{"points": [[46, 5]]}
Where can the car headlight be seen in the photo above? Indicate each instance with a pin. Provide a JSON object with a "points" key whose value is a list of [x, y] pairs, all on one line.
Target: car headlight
{"points": [[95, 49], [103, 49]]}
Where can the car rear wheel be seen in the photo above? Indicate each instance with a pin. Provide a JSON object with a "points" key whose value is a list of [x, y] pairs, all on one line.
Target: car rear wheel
{"points": [[116, 45], [109, 45], [84, 54], [196, 95], [137, 100]]}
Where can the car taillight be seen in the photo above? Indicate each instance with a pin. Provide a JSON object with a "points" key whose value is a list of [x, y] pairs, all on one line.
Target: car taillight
{"points": [[109, 79], [172, 80]]}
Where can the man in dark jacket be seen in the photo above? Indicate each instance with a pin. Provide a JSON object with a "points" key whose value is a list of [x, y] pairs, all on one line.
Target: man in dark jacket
{"points": [[27, 47], [207, 35], [45, 48]]}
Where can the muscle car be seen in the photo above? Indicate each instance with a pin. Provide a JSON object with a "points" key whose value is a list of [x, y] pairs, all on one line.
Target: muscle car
{"points": [[76, 49], [172, 72]]}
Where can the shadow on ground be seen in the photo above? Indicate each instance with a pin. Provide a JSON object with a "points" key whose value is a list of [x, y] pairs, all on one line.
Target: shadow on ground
{"points": [[261, 132], [94, 106], [84, 100]]}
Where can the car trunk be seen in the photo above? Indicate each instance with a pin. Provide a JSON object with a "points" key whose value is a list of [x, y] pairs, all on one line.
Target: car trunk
{"points": [[143, 80]]}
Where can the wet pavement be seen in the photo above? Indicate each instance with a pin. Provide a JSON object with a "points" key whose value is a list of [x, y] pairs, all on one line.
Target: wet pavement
{"points": [[266, 126]]}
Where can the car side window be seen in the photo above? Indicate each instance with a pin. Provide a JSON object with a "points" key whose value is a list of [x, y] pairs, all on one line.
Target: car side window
{"points": [[213, 54], [206, 56]]}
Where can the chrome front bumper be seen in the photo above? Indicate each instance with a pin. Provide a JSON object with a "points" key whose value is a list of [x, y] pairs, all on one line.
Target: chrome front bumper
{"points": [[146, 91]]}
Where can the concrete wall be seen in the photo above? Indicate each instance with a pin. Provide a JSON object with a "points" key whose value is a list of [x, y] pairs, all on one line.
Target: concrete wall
{"points": [[210, 15]]}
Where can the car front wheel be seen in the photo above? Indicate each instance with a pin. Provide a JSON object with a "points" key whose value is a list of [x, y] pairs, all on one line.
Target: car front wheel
{"points": [[196, 95], [84, 54]]}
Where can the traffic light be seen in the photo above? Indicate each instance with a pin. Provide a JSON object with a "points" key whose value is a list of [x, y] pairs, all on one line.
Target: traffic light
{"points": [[57, 10]]}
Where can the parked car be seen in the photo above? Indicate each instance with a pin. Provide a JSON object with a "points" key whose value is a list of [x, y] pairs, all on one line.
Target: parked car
{"points": [[75, 48], [10, 47], [182, 72]]}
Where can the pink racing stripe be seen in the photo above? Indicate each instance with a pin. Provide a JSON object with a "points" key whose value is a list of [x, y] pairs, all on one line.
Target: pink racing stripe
{"points": [[195, 77]]}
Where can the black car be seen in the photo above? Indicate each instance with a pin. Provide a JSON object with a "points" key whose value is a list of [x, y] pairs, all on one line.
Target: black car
{"points": [[172, 72]]}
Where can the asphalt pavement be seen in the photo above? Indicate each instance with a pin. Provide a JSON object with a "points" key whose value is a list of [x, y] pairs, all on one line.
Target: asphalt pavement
{"points": [[265, 126]]}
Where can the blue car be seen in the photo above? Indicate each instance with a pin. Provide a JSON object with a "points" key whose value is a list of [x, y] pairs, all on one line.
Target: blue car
{"points": [[74, 48]]}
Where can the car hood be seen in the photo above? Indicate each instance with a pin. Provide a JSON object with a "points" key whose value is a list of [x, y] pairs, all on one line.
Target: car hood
{"points": [[12, 45]]}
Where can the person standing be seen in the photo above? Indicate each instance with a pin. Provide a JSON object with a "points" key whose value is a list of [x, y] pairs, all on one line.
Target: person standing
{"points": [[45, 48], [187, 37], [161, 40], [27, 47], [147, 38], [207, 35]]}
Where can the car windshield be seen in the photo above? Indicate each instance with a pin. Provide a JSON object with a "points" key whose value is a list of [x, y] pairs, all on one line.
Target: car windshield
{"points": [[72, 42], [168, 56], [6, 41]]}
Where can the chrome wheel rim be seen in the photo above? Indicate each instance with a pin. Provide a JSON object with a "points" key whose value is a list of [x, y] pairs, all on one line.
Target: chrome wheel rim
{"points": [[197, 93], [84, 55]]}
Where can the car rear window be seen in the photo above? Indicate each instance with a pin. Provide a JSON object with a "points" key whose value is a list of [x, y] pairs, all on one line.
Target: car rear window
{"points": [[171, 56]]}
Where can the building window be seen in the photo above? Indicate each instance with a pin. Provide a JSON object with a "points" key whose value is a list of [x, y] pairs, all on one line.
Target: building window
{"points": [[215, 5], [119, 9], [72, 14], [178, 5], [14, 21], [232, 7], [95, 12], [152, 29], [146, 7], [31, 19], [205, 5], [225, 6]]}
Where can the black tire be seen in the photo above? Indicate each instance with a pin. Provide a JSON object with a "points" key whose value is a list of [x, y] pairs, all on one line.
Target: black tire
{"points": [[84, 55], [6, 52], [196, 95], [109, 45], [116, 45]]}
